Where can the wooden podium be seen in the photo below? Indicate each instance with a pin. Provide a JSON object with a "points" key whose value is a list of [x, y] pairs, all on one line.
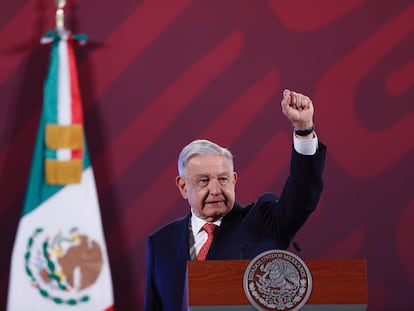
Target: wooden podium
{"points": [[338, 285]]}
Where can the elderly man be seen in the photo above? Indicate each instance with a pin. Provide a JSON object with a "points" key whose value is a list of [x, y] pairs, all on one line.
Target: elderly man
{"points": [[217, 227]]}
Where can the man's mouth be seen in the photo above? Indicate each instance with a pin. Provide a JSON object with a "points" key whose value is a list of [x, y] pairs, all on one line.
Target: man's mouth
{"points": [[214, 202]]}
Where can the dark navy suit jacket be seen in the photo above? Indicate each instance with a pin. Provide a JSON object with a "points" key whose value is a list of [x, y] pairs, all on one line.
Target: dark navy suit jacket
{"points": [[246, 231]]}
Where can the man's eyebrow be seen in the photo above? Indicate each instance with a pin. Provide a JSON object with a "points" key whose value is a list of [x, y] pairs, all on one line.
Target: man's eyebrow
{"points": [[227, 173], [201, 175]]}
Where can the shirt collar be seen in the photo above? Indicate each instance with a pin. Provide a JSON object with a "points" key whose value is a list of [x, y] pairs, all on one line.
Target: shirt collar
{"points": [[197, 222]]}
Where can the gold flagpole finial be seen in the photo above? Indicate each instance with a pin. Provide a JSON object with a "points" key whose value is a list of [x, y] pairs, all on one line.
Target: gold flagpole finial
{"points": [[60, 14]]}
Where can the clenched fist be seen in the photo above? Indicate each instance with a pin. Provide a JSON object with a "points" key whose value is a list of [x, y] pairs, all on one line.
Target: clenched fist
{"points": [[298, 108]]}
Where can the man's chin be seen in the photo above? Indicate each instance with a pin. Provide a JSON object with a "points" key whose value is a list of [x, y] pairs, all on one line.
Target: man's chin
{"points": [[215, 212]]}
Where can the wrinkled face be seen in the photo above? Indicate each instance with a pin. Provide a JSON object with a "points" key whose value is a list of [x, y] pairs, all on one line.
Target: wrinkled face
{"points": [[208, 186]]}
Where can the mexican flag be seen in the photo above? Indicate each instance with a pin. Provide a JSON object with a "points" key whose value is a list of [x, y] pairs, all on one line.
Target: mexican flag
{"points": [[59, 259]]}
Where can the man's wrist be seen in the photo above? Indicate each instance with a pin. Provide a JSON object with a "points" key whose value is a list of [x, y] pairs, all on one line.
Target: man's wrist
{"points": [[304, 133]]}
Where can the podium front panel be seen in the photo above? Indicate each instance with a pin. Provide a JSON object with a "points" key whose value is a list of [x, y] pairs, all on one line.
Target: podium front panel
{"points": [[338, 285]]}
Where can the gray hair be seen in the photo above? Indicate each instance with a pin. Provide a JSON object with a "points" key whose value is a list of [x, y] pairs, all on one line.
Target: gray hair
{"points": [[201, 147]]}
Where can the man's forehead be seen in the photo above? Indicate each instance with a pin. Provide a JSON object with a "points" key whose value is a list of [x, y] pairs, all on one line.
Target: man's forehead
{"points": [[209, 163]]}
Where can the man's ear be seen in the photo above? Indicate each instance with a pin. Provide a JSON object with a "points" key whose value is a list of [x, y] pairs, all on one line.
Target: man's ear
{"points": [[182, 186], [234, 178]]}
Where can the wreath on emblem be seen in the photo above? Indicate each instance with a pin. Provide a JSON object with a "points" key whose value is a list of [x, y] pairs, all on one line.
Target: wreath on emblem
{"points": [[48, 259]]}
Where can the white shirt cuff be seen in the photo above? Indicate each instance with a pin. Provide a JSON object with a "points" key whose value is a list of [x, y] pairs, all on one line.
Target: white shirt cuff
{"points": [[305, 146]]}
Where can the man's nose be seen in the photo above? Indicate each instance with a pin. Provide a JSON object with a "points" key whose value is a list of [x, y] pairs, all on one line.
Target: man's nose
{"points": [[214, 187]]}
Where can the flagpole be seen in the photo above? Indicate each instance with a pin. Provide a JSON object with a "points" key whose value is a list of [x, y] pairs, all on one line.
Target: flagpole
{"points": [[60, 227], [60, 15]]}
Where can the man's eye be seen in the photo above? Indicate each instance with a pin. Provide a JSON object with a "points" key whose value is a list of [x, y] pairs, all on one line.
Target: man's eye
{"points": [[203, 182], [223, 180]]}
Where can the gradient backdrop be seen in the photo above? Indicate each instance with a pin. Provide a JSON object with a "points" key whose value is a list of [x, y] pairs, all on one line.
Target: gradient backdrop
{"points": [[157, 74]]}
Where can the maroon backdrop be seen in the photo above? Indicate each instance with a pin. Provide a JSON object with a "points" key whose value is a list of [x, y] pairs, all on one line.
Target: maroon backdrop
{"points": [[157, 74]]}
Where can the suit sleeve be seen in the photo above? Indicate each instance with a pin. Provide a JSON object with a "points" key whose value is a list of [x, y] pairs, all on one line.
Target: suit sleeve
{"points": [[282, 217], [301, 193]]}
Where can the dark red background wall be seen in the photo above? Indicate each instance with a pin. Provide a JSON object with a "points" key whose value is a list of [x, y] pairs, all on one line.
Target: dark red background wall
{"points": [[157, 74]]}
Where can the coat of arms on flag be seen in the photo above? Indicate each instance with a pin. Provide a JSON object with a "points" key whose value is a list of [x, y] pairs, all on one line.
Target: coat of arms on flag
{"points": [[59, 259]]}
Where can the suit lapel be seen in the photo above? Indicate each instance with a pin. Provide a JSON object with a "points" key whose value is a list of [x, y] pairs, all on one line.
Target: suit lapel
{"points": [[228, 224], [180, 233]]}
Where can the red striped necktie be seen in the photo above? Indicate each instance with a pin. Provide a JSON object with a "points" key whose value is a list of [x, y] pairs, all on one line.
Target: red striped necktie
{"points": [[209, 228]]}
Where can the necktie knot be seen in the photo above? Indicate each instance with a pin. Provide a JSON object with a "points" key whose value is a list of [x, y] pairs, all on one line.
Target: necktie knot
{"points": [[209, 228]]}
